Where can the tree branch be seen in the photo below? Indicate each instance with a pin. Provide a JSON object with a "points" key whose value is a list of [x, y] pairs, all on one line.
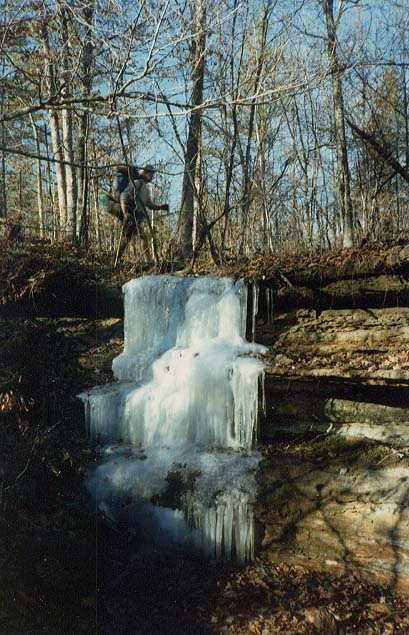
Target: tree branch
{"points": [[383, 151]]}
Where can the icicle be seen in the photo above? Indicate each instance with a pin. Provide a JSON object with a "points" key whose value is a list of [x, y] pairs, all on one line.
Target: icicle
{"points": [[263, 392], [255, 288], [87, 415], [270, 305], [226, 530], [220, 511], [242, 292], [244, 382]]}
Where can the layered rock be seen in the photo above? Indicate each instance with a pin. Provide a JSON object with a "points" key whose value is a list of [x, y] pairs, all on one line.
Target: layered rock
{"points": [[343, 372], [346, 370], [346, 518]]}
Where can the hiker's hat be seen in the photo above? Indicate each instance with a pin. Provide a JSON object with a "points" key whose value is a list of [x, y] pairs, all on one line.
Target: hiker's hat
{"points": [[148, 169]]}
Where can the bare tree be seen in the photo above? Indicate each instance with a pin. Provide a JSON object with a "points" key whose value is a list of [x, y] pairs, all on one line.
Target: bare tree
{"points": [[344, 186], [197, 57], [87, 63], [233, 96], [52, 90]]}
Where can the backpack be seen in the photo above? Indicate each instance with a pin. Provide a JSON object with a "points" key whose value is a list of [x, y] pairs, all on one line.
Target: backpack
{"points": [[123, 174], [110, 201]]}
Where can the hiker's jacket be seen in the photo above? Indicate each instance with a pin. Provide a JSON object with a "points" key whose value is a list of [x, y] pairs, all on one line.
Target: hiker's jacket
{"points": [[137, 195]]}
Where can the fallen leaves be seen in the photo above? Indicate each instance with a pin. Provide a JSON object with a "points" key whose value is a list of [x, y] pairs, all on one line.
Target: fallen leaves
{"points": [[377, 609], [376, 257], [322, 619], [12, 402], [281, 599], [292, 361]]}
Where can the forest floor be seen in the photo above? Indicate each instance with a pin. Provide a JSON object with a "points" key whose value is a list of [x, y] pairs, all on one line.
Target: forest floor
{"points": [[63, 570]]}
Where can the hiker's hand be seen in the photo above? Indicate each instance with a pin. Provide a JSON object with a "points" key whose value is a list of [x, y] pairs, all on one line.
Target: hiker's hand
{"points": [[165, 207]]}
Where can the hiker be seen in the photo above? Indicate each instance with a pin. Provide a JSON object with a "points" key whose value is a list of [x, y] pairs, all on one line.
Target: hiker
{"points": [[134, 200]]}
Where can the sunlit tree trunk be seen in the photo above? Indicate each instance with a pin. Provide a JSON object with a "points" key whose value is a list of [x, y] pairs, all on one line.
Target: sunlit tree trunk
{"points": [[343, 174], [67, 135], [54, 128], [186, 216], [3, 199], [231, 128], [40, 189], [83, 180], [3, 192], [70, 176], [247, 159]]}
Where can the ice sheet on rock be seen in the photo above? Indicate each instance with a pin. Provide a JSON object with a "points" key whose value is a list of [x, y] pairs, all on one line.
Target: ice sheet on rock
{"points": [[130, 471], [218, 491], [154, 307], [213, 312], [185, 385], [183, 337], [155, 317], [184, 402]]}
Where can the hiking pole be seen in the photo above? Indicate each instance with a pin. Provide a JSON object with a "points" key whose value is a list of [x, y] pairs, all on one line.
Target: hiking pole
{"points": [[119, 244]]}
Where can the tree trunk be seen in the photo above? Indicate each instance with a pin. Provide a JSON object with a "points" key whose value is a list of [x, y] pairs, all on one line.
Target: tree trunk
{"points": [[231, 130], [3, 192], [186, 216], [40, 196], [70, 176], [55, 130], [68, 143], [83, 179], [247, 165], [3, 196], [343, 175]]}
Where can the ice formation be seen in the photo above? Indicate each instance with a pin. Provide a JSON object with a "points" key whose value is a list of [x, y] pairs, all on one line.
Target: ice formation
{"points": [[184, 407]]}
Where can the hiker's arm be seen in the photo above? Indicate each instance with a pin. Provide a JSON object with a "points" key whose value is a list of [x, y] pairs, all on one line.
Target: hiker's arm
{"points": [[154, 207]]}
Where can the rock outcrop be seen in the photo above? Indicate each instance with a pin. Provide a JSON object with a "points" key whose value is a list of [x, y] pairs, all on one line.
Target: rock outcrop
{"points": [[339, 369]]}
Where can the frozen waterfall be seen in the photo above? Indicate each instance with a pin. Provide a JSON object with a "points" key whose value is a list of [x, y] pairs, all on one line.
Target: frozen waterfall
{"points": [[178, 428]]}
